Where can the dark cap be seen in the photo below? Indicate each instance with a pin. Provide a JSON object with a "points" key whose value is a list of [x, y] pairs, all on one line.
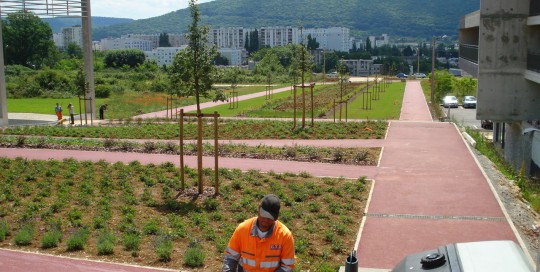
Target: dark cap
{"points": [[270, 207]]}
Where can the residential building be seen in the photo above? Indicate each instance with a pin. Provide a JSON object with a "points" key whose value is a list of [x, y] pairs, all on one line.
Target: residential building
{"points": [[362, 67], [125, 43], [163, 55], [278, 36], [68, 35], [236, 57], [230, 37], [378, 41], [177, 40], [334, 38], [500, 45], [153, 38]]}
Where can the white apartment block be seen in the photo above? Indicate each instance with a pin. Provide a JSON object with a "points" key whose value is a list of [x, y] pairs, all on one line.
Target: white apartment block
{"points": [[58, 39], [177, 40], [278, 36], [334, 38], [229, 37], [154, 38], [378, 41], [126, 43], [72, 35], [236, 57], [163, 55], [362, 67]]}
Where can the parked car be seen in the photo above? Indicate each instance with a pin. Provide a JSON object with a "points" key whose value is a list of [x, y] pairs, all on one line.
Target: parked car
{"points": [[450, 101], [469, 102], [333, 74], [420, 75], [401, 75], [487, 124]]}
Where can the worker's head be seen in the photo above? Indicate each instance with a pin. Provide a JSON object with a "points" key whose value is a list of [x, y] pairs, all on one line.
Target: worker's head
{"points": [[268, 212]]}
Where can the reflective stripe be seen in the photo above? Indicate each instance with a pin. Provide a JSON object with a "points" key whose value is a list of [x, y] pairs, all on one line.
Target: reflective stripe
{"points": [[285, 269], [269, 264], [233, 253], [249, 262], [288, 261]]}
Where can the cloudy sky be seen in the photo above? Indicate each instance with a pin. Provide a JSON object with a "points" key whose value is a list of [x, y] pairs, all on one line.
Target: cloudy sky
{"points": [[137, 9]]}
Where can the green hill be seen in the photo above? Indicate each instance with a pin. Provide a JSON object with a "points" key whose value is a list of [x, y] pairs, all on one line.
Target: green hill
{"points": [[403, 18], [58, 23]]}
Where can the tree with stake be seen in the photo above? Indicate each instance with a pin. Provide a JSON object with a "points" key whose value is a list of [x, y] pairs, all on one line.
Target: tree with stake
{"points": [[192, 73], [305, 64]]}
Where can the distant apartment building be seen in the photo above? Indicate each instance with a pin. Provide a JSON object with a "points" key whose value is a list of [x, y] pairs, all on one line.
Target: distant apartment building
{"points": [[153, 38], [236, 57], [125, 43], [362, 67], [334, 38], [177, 40], [500, 45], [278, 36], [68, 35], [378, 41], [230, 37], [163, 55]]}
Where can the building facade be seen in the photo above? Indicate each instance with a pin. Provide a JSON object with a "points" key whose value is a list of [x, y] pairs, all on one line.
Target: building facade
{"points": [[500, 45], [378, 41], [230, 37], [163, 55], [69, 35], [362, 67], [278, 36], [126, 43], [334, 38], [236, 57]]}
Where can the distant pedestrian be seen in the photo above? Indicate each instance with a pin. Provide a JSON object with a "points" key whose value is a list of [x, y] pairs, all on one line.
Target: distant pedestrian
{"points": [[102, 110], [71, 113], [58, 110]]}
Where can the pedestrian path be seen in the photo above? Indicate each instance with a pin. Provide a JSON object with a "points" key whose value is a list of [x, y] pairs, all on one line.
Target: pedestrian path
{"points": [[428, 192]]}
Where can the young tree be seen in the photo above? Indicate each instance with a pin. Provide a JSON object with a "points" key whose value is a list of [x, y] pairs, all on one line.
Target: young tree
{"points": [[192, 72], [27, 40], [73, 51], [343, 76]]}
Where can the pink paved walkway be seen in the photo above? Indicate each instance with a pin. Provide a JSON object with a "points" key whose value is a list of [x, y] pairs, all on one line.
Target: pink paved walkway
{"points": [[429, 191]]}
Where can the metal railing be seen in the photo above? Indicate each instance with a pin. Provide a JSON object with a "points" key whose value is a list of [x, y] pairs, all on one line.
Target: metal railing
{"points": [[534, 8], [533, 62], [469, 52]]}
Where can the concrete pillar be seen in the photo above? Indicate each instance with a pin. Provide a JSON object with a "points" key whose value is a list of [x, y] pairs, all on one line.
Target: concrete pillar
{"points": [[3, 92], [88, 58]]}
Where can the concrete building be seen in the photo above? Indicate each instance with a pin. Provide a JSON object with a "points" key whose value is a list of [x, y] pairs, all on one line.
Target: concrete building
{"points": [[362, 67], [163, 55], [500, 45], [68, 35], [58, 39], [177, 40], [230, 37], [126, 43], [334, 38], [153, 38], [378, 41], [278, 36], [236, 57]]}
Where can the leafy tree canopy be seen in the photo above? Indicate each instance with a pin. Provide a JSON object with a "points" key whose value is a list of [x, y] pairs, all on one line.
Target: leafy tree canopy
{"points": [[120, 58]]}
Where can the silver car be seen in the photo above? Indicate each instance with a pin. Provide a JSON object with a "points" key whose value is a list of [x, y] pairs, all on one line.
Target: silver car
{"points": [[469, 102], [450, 101]]}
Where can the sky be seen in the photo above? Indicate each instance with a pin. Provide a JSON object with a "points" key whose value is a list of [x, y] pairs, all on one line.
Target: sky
{"points": [[137, 9]]}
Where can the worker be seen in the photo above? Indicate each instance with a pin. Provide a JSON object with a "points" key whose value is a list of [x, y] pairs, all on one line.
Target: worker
{"points": [[261, 243]]}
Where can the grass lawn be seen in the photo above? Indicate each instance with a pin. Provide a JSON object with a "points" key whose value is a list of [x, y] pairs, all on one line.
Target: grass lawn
{"points": [[387, 107], [44, 105], [129, 213]]}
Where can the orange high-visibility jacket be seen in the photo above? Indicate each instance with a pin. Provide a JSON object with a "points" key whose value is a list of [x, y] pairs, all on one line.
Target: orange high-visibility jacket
{"points": [[248, 252]]}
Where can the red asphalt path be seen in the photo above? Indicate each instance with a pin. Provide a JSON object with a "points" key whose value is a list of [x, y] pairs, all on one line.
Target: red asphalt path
{"points": [[429, 191]]}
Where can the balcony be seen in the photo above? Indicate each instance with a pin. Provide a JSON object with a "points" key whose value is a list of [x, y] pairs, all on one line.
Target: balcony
{"points": [[469, 52], [535, 8], [533, 62]]}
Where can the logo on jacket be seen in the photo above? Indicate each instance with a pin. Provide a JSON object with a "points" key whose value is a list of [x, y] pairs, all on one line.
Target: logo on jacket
{"points": [[275, 247]]}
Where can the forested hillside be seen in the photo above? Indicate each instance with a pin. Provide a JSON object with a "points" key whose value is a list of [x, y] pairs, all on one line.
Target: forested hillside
{"points": [[57, 23], [404, 18]]}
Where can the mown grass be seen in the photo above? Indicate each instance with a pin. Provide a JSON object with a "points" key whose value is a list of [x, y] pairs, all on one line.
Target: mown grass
{"points": [[387, 106], [138, 204], [228, 129]]}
